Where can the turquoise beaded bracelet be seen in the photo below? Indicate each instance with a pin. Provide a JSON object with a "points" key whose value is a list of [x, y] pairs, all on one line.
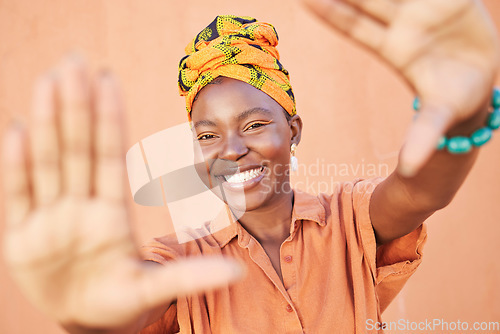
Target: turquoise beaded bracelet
{"points": [[461, 144]]}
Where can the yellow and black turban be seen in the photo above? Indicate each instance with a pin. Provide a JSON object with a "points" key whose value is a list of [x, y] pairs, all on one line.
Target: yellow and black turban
{"points": [[240, 48]]}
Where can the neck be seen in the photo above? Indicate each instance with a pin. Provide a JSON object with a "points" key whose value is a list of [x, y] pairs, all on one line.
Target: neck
{"points": [[270, 224]]}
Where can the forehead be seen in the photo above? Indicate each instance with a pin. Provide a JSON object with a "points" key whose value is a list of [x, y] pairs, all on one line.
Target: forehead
{"points": [[229, 98]]}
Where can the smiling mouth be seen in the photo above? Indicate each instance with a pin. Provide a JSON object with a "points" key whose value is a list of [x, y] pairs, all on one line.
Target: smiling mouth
{"points": [[245, 176]]}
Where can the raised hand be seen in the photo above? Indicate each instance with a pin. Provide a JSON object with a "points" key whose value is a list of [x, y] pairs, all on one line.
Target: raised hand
{"points": [[446, 50], [68, 242]]}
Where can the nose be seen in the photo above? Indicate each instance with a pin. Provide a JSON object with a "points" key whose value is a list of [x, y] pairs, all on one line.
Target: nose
{"points": [[233, 148]]}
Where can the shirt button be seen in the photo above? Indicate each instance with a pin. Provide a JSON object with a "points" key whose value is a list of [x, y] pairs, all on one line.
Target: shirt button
{"points": [[289, 308], [288, 258]]}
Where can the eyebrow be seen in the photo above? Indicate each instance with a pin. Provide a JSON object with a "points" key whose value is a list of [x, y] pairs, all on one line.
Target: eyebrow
{"points": [[256, 110], [205, 122], [240, 117]]}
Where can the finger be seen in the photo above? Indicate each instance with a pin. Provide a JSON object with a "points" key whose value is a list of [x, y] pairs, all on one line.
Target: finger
{"points": [[109, 148], [350, 21], [423, 136], [75, 127], [44, 143], [381, 10], [165, 283], [15, 175]]}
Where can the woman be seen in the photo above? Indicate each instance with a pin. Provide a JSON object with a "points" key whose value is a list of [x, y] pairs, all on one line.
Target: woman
{"points": [[94, 267]]}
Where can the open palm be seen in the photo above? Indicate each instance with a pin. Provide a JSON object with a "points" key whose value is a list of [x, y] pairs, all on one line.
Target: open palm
{"points": [[68, 242], [446, 50]]}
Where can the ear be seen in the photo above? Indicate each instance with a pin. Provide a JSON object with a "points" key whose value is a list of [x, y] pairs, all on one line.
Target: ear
{"points": [[295, 129]]}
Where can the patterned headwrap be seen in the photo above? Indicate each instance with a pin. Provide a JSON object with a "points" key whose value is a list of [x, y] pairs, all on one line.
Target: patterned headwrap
{"points": [[240, 48]]}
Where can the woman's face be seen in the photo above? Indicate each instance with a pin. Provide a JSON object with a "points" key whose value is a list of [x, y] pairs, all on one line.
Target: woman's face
{"points": [[245, 141]]}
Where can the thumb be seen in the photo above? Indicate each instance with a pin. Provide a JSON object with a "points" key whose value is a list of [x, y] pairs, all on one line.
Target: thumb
{"points": [[430, 124], [162, 284]]}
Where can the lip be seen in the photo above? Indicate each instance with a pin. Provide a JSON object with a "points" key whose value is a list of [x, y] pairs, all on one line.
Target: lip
{"points": [[231, 169], [247, 184]]}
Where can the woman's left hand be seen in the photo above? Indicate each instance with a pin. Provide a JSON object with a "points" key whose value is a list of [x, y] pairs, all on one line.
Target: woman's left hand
{"points": [[446, 50]]}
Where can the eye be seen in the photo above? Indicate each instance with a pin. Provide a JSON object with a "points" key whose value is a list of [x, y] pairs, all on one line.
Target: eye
{"points": [[257, 124], [206, 136]]}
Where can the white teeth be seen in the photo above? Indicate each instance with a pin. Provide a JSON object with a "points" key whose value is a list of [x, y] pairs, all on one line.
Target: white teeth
{"points": [[243, 176]]}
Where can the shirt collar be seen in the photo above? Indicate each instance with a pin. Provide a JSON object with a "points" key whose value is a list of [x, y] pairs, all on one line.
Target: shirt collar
{"points": [[308, 207], [224, 227]]}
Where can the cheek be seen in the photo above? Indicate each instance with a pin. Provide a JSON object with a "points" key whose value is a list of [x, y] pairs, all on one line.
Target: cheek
{"points": [[274, 149]]}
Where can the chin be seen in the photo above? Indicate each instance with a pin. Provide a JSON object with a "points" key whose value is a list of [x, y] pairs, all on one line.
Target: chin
{"points": [[245, 201]]}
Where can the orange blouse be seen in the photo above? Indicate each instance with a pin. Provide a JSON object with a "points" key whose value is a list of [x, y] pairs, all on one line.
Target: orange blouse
{"points": [[335, 279]]}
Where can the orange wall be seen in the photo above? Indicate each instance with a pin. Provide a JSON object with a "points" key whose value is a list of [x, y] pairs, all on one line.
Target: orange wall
{"points": [[356, 114]]}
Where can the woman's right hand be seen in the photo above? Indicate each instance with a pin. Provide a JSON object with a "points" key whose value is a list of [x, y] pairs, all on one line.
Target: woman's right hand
{"points": [[68, 242]]}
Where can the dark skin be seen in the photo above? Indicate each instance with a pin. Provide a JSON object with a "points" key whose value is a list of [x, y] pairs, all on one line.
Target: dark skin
{"points": [[233, 121], [400, 204]]}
